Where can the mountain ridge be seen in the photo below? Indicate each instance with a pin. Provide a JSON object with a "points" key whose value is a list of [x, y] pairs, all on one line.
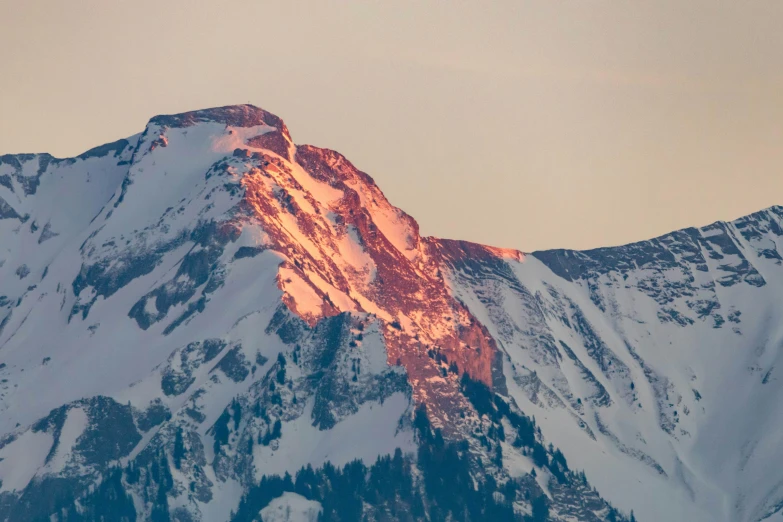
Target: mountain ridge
{"points": [[243, 114]]}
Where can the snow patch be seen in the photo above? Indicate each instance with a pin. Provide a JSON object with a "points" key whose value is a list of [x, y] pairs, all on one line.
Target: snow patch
{"points": [[291, 507], [74, 426], [372, 431], [21, 459]]}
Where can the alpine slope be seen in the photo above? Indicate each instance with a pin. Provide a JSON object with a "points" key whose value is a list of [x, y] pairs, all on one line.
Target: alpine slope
{"points": [[195, 309]]}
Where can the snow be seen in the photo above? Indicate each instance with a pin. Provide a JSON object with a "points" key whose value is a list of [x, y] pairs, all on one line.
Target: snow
{"points": [[373, 349], [324, 194], [369, 433], [226, 497], [352, 253], [291, 507], [236, 138], [21, 459], [517, 464], [308, 303], [74, 426]]}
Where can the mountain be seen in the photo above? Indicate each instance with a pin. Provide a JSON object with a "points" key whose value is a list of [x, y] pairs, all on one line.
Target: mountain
{"points": [[206, 321]]}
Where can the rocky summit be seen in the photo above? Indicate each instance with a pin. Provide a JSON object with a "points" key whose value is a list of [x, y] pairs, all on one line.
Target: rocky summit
{"points": [[208, 322]]}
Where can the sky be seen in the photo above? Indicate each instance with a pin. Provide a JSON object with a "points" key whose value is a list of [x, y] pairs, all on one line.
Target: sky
{"points": [[516, 123]]}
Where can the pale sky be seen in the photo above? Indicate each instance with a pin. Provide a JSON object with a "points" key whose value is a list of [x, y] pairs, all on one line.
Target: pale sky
{"points": [[523, 124]]}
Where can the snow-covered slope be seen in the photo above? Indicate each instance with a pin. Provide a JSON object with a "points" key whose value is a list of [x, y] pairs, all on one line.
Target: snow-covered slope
{"points": [[206, 304], [652, 365]]}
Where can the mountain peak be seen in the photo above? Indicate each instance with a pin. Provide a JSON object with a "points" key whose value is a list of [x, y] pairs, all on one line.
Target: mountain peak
{"points": [[229, 182], [244, 115]]}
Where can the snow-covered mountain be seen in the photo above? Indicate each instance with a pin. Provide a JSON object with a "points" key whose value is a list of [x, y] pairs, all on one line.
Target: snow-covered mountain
{"points": [[191, 313]]}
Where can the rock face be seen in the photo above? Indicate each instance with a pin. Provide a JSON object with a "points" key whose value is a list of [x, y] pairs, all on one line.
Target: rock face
{"points": [[191, 313]]}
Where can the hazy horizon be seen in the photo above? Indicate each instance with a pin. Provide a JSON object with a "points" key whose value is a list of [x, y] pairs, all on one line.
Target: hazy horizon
{"points": [[528, 125]]}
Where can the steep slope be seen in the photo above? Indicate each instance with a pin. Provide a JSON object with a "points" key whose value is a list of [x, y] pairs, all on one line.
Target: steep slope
{"points": [[652, 365], [188, 312]]}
